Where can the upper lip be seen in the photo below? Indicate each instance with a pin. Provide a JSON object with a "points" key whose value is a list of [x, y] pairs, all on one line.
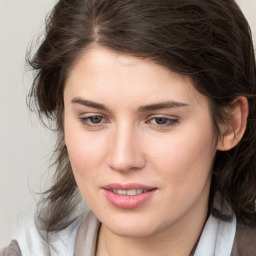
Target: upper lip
{"points": [[127, 186]]}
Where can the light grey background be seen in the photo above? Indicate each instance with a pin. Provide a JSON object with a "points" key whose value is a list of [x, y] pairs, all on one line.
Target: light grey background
{"points": [[24, 145]]}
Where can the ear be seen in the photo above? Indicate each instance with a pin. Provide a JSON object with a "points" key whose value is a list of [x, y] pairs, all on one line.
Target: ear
{"points": [[233, 130]]}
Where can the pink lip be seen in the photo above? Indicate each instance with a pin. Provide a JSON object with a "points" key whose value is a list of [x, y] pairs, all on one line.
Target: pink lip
{"points": [[125, 201]]}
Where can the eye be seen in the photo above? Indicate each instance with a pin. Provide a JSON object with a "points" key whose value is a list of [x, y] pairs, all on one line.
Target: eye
{"points": [[163, 121], [93, 121]]}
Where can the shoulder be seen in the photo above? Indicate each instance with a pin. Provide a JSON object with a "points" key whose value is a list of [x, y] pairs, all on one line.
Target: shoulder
{"points": [[31, 240], [12, 250], [35, 241], [245, 241]]}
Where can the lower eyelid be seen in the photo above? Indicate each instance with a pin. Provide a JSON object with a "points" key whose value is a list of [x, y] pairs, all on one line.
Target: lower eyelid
{"points": [[170, 123]]}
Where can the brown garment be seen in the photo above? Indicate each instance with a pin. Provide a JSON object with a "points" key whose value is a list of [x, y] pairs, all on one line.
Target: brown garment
{"points": [[12, 250], [245, 241]]}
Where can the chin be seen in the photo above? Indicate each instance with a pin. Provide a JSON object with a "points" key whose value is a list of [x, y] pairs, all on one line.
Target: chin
{"points": [[138, 231], [128, 226]]}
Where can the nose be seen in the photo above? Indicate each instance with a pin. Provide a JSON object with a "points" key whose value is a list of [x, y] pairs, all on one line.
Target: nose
{"points": [[125, 151]]}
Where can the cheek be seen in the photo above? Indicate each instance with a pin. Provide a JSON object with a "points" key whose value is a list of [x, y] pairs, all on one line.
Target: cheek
{"points": [[183, 166], [185, 158], [84, 149], [85, 157]]}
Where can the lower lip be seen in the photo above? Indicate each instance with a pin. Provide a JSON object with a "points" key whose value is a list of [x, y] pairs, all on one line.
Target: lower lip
{"points": [[128, 202]]}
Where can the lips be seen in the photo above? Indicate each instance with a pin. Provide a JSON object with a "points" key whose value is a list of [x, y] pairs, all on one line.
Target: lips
{"points": [[128, 195]]}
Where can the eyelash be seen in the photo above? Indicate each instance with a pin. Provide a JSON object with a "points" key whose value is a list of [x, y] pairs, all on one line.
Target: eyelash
{"points": [[169, 121], [87, 121]]}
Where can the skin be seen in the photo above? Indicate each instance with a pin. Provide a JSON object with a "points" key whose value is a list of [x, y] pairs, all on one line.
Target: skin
{"points": [[129, 145]]}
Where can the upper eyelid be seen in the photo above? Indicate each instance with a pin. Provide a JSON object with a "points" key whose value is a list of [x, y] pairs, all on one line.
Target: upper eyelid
{"points": [[86, 114], [168, 116], [90, 114]]}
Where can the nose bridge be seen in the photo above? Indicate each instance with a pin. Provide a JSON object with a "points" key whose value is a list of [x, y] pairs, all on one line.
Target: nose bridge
{"points": [[125, 152]]}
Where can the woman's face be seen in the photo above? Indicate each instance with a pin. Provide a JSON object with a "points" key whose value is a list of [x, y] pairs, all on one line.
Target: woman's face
{"points": [[141, 142]]}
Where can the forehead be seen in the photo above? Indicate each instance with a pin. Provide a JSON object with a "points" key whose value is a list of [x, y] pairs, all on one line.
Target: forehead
{"points": [[101, 74]]}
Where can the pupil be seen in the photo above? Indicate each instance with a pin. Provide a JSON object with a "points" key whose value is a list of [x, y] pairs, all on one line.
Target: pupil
{"points": [[161, 120], [95, 119]]}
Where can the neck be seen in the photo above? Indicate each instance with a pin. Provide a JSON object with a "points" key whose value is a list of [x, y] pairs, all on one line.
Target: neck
{"points": [[178, 239]]}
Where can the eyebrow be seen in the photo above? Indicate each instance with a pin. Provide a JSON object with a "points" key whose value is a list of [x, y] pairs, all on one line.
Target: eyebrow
{"points": [[89, 103], [162, 105], [150, 107]]}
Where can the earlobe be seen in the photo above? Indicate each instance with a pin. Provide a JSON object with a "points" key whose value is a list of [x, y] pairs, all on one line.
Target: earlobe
{"points": [[233, 130]]}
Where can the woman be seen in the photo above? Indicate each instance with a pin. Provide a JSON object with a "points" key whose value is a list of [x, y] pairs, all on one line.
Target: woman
{"points": [[154, 107]]}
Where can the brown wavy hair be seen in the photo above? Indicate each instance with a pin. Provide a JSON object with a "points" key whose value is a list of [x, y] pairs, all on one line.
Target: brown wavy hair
{"points": [[210, 41]]}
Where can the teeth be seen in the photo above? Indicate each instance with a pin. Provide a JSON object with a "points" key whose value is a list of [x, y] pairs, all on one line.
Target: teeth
{"points": [[130, 192], [139, 191], [121, 192]]}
